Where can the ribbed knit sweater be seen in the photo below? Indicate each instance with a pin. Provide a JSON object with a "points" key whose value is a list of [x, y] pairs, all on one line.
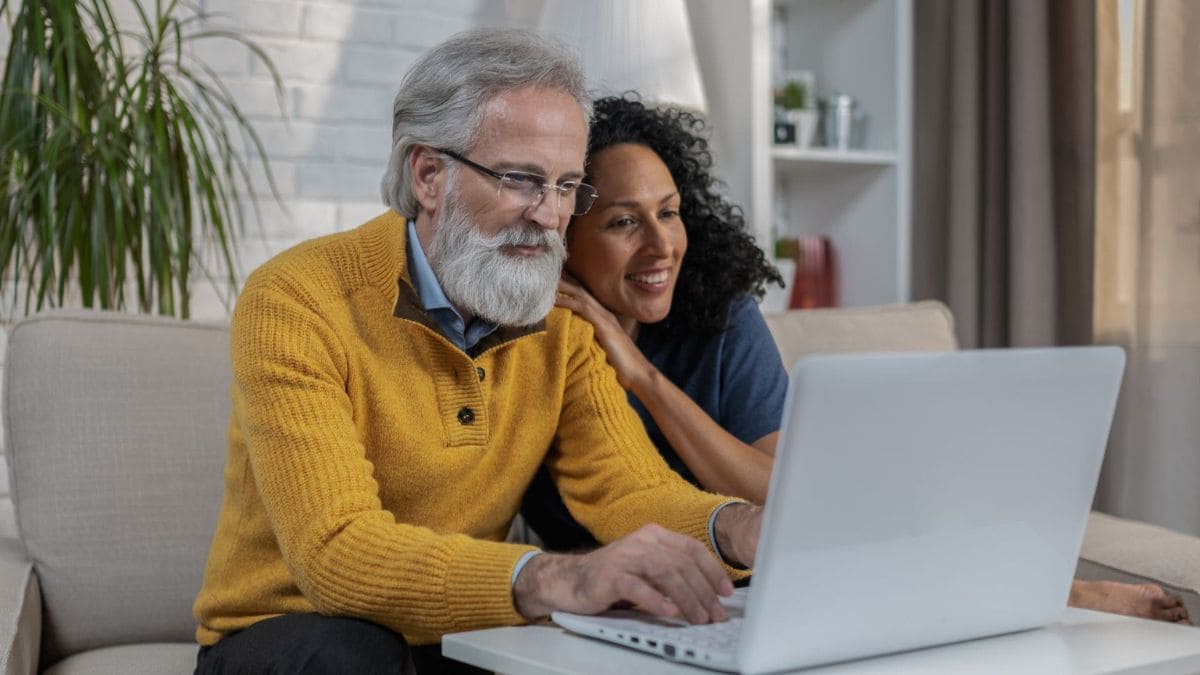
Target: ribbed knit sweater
{"points": [[374, 468]]}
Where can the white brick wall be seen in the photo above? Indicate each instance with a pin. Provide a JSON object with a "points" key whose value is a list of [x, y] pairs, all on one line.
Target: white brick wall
{"points": [[341, 62]]}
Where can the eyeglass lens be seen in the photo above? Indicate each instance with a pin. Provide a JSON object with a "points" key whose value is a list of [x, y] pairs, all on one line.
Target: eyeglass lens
{"points": [[575, 198]]}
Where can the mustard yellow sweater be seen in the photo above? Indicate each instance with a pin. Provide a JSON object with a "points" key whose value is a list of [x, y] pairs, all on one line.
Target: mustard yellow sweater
{"points": [[374, 468]]}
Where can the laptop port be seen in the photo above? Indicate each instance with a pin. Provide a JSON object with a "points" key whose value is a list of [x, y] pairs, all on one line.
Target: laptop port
{"points": [[669, 650]]}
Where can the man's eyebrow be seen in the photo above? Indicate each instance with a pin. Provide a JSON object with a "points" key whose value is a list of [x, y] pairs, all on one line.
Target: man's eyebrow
{"points": [[528, 167]]}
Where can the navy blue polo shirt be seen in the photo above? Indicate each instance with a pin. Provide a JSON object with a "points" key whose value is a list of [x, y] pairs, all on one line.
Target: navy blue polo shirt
{"points": [[737, 378]]}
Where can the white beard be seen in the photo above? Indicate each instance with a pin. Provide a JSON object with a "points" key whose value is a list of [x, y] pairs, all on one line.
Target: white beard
{"points": [[479, 277]]}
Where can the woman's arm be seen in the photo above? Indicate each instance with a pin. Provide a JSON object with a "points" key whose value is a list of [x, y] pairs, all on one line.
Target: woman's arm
{"points": [[720, 461]]}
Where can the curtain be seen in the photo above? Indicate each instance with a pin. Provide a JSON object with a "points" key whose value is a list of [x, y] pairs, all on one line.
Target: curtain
{"points": [[1148, 253], [1003, 164]]}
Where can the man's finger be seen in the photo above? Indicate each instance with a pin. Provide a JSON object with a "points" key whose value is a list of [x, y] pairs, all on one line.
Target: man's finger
{"points": [[706, 591], [641, 593], [707, 564], [707, 574], [691, 601]]}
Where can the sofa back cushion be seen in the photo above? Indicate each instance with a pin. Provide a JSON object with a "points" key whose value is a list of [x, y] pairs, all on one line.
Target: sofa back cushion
{"points": [[926, 326], [116, 431]]}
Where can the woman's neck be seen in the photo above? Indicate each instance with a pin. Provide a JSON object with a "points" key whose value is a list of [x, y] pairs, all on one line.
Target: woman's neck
{"points": [[629, 325]]}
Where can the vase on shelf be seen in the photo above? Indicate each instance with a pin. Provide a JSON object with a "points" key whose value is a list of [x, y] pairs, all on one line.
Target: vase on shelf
{"points": [[805, 123], [842, 123]]}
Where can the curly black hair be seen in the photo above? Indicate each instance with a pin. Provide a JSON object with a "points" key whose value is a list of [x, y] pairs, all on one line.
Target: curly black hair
{"points": [[722, 262]]}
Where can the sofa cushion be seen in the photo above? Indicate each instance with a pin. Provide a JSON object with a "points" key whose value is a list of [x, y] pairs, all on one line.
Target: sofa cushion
{"points": [[116, 440], [920, 326], [144, 659]]}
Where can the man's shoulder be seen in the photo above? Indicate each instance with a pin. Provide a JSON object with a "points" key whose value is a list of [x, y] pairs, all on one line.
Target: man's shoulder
{"points": [[569, 326], [336, 262]]}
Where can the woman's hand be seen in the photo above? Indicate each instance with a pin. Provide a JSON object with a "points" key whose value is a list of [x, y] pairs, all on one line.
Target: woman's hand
{"points": [[1148, 601], [633, 370]]}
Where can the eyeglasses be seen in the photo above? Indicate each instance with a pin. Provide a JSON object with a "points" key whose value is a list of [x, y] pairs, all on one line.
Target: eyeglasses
{"points": [[572, 195]]}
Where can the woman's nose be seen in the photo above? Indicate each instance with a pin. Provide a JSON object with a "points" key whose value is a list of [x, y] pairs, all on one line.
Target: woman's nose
{"points": [[657, 240]]}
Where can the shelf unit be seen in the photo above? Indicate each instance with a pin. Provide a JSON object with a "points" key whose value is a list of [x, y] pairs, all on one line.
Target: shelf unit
{"points": [[860, 198], [788, 156]]}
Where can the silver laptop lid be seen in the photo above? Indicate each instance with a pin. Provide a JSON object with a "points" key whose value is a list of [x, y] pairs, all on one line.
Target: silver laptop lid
{"points": [[920, 499]]}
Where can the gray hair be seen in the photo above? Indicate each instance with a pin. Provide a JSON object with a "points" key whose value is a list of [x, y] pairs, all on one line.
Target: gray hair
{"points": [[442, 97]]}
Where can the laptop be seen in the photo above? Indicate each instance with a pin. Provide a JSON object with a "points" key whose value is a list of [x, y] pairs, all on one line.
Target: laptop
{"points": [[917, 499]]}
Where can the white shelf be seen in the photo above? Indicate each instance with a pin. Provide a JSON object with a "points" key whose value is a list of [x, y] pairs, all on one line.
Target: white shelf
{"points": [[859, 199], [792, 155]]}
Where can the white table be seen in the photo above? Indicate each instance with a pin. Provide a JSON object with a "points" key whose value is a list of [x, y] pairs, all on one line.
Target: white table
{"points": [[1084, 642]]}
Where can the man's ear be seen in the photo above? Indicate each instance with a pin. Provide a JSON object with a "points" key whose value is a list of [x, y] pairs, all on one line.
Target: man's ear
{"points": [[428, 177]]}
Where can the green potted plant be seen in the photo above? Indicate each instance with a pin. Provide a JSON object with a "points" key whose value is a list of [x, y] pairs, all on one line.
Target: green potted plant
{"points": [[792, 96], [794, 106], [119, 157]]}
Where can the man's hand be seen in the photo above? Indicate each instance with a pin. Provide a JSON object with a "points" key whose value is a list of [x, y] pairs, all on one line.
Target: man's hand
{"points": [[661, 571], [737, 529]]}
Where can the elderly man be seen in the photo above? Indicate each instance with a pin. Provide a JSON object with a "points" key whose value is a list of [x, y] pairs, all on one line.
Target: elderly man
{"points": [[396, 387]]}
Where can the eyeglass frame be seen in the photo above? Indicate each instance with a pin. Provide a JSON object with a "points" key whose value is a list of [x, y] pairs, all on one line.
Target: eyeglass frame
{"points": [[546, 185]]}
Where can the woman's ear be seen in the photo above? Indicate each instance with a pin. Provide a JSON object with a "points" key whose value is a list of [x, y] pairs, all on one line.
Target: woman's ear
{"points": [[428, 179]]}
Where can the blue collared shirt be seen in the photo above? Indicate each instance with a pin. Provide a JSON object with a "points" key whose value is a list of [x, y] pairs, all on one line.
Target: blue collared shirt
{"points": [[434, 300]]}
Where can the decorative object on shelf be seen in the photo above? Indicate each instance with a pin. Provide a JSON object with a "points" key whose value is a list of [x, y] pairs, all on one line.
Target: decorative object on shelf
{"points": [[841, 122], [814, 281], [795, 116], [120, 156], [785, 132]]}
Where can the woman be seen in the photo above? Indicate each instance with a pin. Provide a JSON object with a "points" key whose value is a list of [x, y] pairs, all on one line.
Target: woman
{"points": [[682, 331]]}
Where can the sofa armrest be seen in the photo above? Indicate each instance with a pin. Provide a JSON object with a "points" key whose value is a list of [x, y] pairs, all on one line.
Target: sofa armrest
{"points": [[926, 326], [20, 611], [1117, 549]]}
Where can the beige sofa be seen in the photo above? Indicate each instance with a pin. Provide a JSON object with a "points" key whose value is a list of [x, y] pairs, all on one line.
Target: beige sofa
{"points": [[115, 433]]}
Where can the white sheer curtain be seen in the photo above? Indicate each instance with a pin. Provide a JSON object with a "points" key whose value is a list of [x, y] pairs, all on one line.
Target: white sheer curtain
{"points": [[1147, 285], [640, 45]]}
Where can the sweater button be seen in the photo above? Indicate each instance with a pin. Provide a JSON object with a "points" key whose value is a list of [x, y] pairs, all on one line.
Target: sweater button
{"points": [[480, 373], [466, 416]]}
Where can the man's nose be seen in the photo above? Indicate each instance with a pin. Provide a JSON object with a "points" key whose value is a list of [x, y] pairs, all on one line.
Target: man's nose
{"points": [[544, 210]]}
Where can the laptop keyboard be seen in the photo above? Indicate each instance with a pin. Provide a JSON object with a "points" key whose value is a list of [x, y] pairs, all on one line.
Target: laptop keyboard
{"points": [[712, 645], [719, 637], [712, 637]]}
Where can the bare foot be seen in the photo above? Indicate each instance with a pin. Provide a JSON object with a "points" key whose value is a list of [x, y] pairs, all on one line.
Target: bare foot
{"points": [[1147, 601]]}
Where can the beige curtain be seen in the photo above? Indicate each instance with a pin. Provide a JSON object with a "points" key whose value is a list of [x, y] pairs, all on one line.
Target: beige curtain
{"points": [[1148, 253], [1003, 159]]}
